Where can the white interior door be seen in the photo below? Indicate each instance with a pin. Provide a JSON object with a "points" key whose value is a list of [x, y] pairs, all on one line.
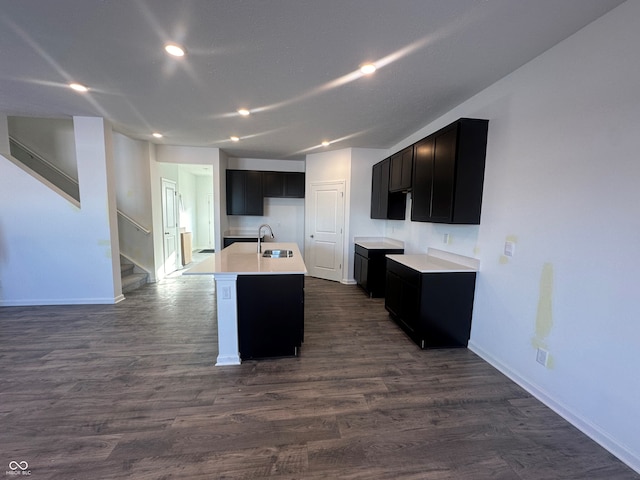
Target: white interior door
{"points": [[170, 226], [325, 230], [211, 241]]}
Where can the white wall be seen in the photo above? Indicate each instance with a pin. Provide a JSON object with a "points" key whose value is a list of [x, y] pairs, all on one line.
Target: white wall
{"points": [[204, 189], [361, 225], [133, 197], [329, 167], [50, 138], [561, 180], [69, 254]]}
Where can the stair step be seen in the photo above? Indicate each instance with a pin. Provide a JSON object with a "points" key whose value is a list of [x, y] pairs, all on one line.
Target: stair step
{"points": [[133, 281], [126, 269]]}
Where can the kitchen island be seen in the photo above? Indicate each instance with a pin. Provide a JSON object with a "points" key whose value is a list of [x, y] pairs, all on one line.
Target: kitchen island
{"points": [[260, 301]]}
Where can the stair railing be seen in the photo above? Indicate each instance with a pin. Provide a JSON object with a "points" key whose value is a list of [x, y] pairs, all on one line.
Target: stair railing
{"points": [[56, 176]]}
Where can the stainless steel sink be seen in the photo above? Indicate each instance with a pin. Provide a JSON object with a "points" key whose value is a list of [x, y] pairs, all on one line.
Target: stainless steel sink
{"points": [[278, 253]]}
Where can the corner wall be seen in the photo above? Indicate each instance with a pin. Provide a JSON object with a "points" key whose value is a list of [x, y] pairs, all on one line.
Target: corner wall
{"points": [[52, 252]]}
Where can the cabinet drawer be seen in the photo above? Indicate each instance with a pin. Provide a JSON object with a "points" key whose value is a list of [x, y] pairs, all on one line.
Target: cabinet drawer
{"points": [[407, 274], [362, 251]]}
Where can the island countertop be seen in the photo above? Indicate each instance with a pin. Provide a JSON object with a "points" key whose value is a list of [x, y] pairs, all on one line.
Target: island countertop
{"points": [[243, 259]]}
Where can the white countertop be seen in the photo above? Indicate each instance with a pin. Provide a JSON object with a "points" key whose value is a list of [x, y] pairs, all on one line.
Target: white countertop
{"points": [[438, 261], [242, 259], [378, 243]]}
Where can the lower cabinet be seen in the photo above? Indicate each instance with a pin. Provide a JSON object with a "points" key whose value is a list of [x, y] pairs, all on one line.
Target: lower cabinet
{"points": [[369, 266], [270, 315], [434, 309]]}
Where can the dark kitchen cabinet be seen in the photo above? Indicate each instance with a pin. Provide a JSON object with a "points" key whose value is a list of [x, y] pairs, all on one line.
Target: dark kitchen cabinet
{"points": [[244, 193], [448, 174], [270, 315], [369, 268], [401, 170], [434, 309], [384, 204], [283, 184]]}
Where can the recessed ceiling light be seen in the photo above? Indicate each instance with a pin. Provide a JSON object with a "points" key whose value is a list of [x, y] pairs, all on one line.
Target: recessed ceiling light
{"points": [[157, 135], [244, 112], [234, 138], [368, 68], [175, 50], [78, 87], [325, 143]]}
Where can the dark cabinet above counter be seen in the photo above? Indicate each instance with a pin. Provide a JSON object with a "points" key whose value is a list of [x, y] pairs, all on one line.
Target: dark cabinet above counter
{"points": [[283, 184], [448, 174], [247, 189], [444, 173], [385, 204], [401, 170]]}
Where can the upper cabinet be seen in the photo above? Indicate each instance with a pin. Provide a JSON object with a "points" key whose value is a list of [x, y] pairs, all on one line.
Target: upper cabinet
{"points": [[444, 171], [448, 174], [401, 170], [246, 189], [244, 193], [385, 205], [283, 184]]}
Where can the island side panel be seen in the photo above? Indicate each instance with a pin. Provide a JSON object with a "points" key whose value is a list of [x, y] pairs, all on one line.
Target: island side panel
{"points": [[226, 297], [270, 315]]}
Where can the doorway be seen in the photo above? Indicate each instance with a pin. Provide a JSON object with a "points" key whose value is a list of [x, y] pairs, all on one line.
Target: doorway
{"points": [[325, 230]]}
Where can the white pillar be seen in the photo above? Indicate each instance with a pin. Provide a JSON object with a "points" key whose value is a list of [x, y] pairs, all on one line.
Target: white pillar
{"points": [[228, 351]]}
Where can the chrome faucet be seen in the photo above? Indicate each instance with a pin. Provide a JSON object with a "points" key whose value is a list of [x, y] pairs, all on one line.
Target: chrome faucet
{"points": [[260, 230]]}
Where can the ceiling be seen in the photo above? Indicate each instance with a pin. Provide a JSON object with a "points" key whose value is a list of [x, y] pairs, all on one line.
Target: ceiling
{"points": [[293, 63]]}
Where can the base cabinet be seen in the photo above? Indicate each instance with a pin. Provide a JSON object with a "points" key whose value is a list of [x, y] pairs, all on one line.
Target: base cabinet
{"points": [[369, 267], [434, 309], [270, 315]]}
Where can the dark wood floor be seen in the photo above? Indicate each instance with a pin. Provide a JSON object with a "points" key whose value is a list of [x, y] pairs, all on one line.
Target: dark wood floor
{"points": [[130, 391]]}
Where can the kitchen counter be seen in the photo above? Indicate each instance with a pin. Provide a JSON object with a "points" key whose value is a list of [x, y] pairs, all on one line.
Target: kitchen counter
{"points": [[381, 243], [243, 259], [435, 261], [249, 288]]}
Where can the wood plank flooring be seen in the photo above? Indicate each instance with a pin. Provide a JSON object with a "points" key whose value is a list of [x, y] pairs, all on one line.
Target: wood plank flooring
{"points": [[130, 391]]}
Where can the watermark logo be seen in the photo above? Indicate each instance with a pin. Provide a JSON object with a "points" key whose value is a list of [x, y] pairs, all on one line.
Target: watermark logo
{"points": [[18, 468]]}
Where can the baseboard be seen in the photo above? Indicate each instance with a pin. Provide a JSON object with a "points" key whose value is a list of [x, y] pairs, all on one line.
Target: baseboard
{"points": [[581, 423], [226, 360], [61, 301], [348, 282]]}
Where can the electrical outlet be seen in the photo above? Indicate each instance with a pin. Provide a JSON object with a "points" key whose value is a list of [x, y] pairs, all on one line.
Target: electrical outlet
{"points": [[226, 293], [445, 238], [542, 356]]}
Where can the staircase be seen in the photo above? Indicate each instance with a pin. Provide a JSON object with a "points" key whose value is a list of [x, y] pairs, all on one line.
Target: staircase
{"points": [[132, 276]]}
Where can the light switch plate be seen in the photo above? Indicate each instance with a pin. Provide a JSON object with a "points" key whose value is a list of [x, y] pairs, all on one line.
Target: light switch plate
{"points": [[509, 248]]}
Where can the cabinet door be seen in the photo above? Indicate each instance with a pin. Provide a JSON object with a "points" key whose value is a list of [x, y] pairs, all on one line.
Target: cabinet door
{"points": [[236, 184], [401, 170], [254, 204], [361, 271], [244, 192], [444, 164], [273, 184], [294, 185], [380, 189], [422, 180], [393, 294]]}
